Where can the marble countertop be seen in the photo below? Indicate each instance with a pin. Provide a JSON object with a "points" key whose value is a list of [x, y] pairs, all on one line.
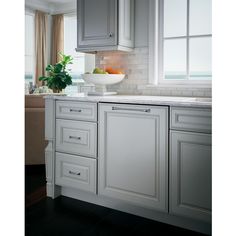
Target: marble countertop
{"points": [[147, 100]]}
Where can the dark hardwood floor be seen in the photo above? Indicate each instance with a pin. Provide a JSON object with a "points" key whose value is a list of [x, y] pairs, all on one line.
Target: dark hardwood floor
{"points": [[65, 216], [35, 184]]}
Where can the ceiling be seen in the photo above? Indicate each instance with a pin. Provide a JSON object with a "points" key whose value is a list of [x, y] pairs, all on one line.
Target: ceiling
{"points": [[58, 1], [52, 6]]}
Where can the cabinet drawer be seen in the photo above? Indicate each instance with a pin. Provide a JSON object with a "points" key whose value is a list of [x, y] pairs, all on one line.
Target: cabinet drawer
{"points": [[76, 137], [76, 172], [76, 110], [191, 119]]}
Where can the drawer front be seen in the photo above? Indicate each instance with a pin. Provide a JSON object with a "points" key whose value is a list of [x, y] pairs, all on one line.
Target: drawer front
{"points": [[191, 119], [76, 110], [76, 137], [76, 172]]}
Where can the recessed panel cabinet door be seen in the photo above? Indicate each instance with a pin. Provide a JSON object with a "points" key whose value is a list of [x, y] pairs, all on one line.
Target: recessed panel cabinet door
{"points": [[97, 22], [133, 161], [190, 175]]}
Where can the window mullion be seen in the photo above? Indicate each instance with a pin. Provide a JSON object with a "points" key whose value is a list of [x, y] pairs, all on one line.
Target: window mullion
{"points": [[187, 43], [161, 40]]}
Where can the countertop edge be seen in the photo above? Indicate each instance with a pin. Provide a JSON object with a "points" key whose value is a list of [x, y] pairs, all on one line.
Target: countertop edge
{"points": [[147, 100]]}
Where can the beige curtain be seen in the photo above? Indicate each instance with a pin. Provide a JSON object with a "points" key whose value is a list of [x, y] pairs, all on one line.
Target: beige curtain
{"points": [[41, 29], [57, 37]]}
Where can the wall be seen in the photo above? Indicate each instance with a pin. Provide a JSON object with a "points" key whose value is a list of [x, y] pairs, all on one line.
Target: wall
{"points": [[51, 9], [135, 64]]}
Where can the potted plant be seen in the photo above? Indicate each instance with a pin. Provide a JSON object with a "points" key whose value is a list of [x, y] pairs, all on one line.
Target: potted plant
{"points": [[59, 76]]}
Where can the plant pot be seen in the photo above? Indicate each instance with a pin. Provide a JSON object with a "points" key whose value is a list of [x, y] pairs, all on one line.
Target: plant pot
{"points": [[57, 90]]}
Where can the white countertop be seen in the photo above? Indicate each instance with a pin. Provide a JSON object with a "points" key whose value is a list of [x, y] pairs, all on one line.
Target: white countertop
{"points": [[147, 100]]}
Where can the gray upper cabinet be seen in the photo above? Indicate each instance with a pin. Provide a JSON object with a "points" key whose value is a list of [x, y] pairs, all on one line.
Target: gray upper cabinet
{"points": [[105, 25]]}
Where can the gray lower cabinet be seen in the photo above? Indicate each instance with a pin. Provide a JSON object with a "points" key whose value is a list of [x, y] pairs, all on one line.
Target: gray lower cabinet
{"points": [[105, 25], [190, 174], [149, 160], [133, 154]]}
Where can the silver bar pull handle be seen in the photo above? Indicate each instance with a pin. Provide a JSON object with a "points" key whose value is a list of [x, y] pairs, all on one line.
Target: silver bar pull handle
{"points": [[130, 109], [74, 137], [75, 110], [73, 173]]}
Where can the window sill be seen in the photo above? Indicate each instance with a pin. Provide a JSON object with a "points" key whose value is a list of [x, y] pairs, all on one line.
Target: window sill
{"points": [[173, 86]]}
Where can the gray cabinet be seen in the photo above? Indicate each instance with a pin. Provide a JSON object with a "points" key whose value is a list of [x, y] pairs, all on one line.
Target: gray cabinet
{"points": [[133, 154], [76, 172], [71, 129], [190, 168], [105, 25], [76, 137], [191, 119]]}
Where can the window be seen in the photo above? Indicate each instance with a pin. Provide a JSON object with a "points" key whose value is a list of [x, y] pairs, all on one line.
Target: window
{"points": [[81, 61], [183, 42], [29, 48]]}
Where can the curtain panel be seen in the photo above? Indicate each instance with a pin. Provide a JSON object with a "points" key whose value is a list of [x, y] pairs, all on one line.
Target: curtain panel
{"points": [[41, 30], [57, 37]]}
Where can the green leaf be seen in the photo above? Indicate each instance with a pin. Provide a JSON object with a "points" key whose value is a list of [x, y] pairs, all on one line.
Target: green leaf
{"points": [[42, 78], [49, 68], [59, 76]]}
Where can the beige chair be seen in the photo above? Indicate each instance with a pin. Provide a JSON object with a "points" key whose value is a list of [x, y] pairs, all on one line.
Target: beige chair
{"points": [[34, 129]]}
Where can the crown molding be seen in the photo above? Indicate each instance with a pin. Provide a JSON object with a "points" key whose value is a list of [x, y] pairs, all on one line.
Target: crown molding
{"points": [[51, 8]]}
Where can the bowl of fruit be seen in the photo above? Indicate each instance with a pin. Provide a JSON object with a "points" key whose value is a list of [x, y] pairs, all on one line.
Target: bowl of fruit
{"points": [[100, 78]]}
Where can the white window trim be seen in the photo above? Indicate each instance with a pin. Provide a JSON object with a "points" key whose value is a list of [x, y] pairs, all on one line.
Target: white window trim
{"points": [[32, 13], [155, 79]]}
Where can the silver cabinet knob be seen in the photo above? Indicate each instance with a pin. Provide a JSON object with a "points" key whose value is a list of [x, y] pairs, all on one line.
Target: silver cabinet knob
{"points": [[110, 35]]}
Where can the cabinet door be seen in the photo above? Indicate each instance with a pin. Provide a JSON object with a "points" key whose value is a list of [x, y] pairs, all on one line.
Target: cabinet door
{"points": [[133, 161], [126, 23], [97, 22], [190, 175]]}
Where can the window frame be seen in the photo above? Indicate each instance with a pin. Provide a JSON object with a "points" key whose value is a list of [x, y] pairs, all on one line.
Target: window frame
{"points": [[71, 15], [32, 13], [156, 42], [86, 57]]}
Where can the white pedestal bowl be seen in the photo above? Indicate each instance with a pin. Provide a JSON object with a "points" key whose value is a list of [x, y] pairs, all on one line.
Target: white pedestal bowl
{"points": [[101, 81]]}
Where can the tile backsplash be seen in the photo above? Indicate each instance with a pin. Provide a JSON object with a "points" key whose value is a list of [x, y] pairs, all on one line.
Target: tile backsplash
{"points": [[135, 66]]}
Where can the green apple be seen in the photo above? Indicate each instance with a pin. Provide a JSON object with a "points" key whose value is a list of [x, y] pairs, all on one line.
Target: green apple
{"points": [[98, 71]]}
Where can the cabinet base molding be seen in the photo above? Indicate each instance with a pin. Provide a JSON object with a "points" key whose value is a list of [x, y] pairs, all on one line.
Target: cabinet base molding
{"points": [[178, 221], [53, 191]]}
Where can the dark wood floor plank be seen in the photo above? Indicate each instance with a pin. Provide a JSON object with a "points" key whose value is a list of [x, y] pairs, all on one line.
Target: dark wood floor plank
{"points": [[64, 216]]}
